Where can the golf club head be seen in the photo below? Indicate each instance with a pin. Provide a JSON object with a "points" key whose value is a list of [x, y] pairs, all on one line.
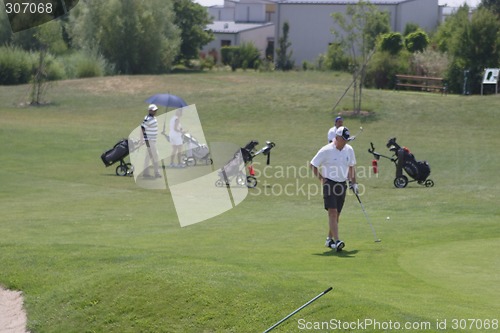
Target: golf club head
{"points": [[352, 138], [378, 240]]}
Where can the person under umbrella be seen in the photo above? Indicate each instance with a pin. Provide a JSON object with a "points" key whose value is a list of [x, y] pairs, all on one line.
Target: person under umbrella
{"points": [[176, 139]]}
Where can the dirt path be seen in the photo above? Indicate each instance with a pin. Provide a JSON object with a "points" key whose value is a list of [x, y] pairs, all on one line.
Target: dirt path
{"points": [[12, 315]]}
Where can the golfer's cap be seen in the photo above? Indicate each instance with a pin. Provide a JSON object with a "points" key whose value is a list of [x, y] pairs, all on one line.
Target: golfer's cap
{"points": [[338, 118], [343, 132], [152, 107]]}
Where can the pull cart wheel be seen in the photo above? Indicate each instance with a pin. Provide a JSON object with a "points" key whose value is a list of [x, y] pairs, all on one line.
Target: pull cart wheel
{"points": [[251, 181], [401, 182], [190, 161], [429, 183], [121, 170]]}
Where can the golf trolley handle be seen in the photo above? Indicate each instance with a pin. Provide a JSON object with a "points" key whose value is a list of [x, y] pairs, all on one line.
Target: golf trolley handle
{"points": [[378, 155], [372, 150]]}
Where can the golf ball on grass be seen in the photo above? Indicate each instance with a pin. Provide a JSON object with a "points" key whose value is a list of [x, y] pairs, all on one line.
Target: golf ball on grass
{"points": [[387, 218]]}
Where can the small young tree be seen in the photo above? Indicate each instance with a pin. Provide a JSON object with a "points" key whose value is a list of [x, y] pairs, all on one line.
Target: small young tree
{"points": [[284, 60], [361, 25], [48, 38]]}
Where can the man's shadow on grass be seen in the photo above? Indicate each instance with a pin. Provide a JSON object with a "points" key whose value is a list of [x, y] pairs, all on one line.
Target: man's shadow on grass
{"points": [[341, 254]]}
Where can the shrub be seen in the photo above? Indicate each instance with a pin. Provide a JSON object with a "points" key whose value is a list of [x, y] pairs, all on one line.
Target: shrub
{"points": [[86, 64], [430, 63], [383, 67], [391, 42], [249, 55], [230, 56], [54, 68], [417, 41], [244, 56], [335, 59], [16, 66]]}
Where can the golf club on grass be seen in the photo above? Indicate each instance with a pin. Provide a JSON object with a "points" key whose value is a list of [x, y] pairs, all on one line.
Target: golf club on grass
{"points": [[377, 240], [294, 312]]}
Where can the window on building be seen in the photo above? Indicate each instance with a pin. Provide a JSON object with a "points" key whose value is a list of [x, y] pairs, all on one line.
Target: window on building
{"points": [[225, 42]]}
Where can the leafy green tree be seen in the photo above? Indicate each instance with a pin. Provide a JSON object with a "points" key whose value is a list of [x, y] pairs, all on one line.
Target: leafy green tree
{"points": [[5, 30], [136, 36], [417, 41], [391, 42], [284, 60], [377, 23], [472, 44], [492, 5], [451, 28], [192, 19], [479, 45]]}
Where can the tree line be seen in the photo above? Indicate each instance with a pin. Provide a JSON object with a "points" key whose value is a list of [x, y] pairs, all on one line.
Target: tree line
{"points": [[151, 36], [121, 36]]}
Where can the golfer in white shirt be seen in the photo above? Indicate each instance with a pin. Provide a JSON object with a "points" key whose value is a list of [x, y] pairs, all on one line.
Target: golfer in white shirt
{"points": [[334, 165]]}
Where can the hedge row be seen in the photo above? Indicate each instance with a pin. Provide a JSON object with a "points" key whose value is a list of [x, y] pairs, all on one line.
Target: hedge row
{"points": [[18, 66]]}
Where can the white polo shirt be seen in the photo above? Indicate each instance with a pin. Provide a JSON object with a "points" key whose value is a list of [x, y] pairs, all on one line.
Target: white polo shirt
{"points": [[331, 133], [150, 125], [333, 163]]}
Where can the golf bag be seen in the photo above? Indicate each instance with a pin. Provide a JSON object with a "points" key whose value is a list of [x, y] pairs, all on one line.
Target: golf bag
{"points": [[247, 152], [118, 153], [418, 170], [235, 170], [404, 160]]}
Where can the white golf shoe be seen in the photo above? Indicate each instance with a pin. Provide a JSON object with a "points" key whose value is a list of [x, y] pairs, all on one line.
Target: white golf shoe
{"points": [[339, 245]]}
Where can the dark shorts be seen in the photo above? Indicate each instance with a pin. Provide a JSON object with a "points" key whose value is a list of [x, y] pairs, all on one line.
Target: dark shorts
{"points": [[334, 194]]}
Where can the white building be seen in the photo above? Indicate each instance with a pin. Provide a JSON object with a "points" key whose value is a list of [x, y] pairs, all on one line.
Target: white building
{"points": [[230, 33], [310, 21], [242, 21]]}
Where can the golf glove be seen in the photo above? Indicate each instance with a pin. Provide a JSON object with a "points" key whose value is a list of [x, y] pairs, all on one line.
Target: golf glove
{"points": [[354, 187]]}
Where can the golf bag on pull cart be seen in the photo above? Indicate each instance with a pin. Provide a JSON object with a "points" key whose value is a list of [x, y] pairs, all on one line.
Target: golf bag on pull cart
{"points": [[118, 153], [196, 152], [404, 160], [233, 170]]}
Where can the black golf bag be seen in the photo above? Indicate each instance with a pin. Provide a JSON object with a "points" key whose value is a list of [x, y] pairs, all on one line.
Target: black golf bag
{"points": [[418, 170], [118, 153], [404, 160], [247, 152]]}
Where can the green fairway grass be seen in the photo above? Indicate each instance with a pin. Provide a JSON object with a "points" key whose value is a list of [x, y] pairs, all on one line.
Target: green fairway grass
{"points": [[93, 252]]}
